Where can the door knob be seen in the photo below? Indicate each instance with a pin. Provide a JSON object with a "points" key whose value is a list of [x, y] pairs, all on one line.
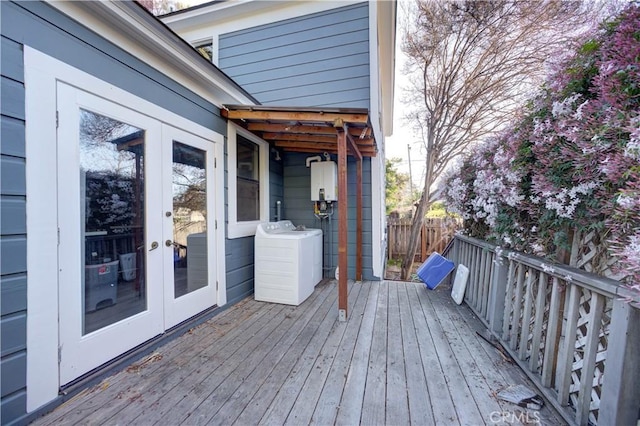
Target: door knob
{"points": [[168, 243], [154, 245]]}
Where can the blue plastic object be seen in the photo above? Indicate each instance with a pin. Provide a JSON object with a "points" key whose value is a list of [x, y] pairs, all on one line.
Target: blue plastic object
{"points": [[434, 270]]}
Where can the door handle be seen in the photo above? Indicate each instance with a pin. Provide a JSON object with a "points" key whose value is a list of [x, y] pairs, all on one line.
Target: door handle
{"points": [[154, 245], [168, 243]]}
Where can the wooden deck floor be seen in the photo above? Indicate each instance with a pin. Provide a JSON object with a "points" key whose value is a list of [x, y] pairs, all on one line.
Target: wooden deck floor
{"points": [[405, 356]]}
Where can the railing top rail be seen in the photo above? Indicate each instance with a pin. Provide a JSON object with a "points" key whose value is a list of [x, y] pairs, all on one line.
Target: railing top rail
{"points": [[600, 284]]}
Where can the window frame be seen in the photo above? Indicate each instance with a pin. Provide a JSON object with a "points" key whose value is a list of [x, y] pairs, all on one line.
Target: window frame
{"points": [[235, 228]]}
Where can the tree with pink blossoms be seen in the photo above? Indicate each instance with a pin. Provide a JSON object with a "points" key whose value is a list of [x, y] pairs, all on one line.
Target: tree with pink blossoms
{"points": [[570, 163]]}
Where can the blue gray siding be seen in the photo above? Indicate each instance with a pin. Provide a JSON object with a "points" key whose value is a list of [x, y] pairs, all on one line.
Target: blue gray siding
{"points": [[299, 209], [320, 59], [44, 28], [13, 229]]}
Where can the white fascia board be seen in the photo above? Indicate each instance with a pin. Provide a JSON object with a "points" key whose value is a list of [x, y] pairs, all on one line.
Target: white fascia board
{"points": [[123, 25], [387, 60]]}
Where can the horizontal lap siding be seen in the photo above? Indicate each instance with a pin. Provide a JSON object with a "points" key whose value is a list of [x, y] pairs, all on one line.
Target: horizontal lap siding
{"points": [[13, 238], [42, 27], [298, 208], [320, 59]]}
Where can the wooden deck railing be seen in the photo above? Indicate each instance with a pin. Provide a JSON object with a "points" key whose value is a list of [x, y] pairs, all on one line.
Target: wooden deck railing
{"points": [[435, 235], [570, 330]]}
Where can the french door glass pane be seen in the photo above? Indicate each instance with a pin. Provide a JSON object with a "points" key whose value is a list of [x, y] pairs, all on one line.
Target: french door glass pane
{"points": [[189, 219], [112, 210]]}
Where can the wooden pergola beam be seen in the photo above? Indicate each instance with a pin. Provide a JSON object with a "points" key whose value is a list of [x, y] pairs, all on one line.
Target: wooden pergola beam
{"points": [[355, 149], [313, 138], [369, 151], [358, 132], [301, 116]]}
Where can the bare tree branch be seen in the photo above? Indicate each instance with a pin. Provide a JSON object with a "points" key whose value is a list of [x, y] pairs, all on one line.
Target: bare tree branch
{"points": [[471, 64]]}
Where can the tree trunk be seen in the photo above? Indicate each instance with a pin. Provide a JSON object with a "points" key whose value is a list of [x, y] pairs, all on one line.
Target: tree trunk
{"points": [[418, 219]]}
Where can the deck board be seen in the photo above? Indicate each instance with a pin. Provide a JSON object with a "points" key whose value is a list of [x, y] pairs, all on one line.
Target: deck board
{"points": [[444, 412], [373, 407], [420, 410], [407, 355]]}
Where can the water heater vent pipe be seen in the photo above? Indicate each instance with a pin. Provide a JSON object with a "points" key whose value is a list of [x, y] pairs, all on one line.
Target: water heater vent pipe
{"points": [[311, 159]]}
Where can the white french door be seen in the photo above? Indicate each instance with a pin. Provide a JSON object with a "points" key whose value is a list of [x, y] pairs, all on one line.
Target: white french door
{"points": [[188, 225], [136, 250]]}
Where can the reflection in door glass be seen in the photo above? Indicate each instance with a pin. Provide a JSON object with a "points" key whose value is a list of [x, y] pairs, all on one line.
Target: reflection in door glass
{"points": [[112, 212], [189, 219]]}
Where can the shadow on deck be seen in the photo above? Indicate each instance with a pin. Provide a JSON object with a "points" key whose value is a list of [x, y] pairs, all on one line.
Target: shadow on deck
{"points": [[407, 355]]}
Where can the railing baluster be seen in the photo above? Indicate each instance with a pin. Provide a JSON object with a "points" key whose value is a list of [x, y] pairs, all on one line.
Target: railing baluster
{"points": [[517, 307], [473, 279], [550, 344], [526, 315], [478, 255], [486, 288], [508, 300], [481, 280], [539, 322]]}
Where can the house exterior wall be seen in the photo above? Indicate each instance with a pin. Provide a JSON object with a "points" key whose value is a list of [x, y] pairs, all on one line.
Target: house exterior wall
{"points": [[13, 240], [321, 59], [44, 28], [298, 208], [315, 60]]}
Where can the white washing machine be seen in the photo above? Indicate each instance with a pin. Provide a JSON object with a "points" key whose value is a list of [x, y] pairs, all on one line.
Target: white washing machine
{"points": [[288, 262]]}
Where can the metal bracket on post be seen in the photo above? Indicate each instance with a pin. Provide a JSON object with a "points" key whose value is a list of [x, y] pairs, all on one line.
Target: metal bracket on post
{"points": [[342, 315]]}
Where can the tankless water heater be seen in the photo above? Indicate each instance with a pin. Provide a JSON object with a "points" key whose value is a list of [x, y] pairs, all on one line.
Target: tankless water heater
{"points": [[324, 181]]}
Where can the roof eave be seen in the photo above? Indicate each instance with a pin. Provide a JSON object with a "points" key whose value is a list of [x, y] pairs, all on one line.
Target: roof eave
{"points": [[128, 24]]}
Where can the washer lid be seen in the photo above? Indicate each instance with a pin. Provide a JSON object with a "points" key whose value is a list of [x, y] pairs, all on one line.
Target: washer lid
{"points": [[306, 233]]}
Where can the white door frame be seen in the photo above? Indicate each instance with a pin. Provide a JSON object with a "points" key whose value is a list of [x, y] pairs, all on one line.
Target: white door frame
{"points": [[41, 75]]}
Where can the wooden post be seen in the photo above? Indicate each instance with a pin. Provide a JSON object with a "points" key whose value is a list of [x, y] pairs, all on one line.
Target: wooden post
{"points": [[358, 219], [342, 225], [621, 388]]}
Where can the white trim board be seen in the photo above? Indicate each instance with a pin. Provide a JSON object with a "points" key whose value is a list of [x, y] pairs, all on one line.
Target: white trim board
{"points": [[42, 73], [237, 229]]}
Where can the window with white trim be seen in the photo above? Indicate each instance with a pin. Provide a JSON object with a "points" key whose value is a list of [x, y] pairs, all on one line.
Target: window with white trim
{"points": [[248, 173]]}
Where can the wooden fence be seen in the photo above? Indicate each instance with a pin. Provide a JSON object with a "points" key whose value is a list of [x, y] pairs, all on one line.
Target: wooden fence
{"points": [[435, 235], [562, 325]]}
